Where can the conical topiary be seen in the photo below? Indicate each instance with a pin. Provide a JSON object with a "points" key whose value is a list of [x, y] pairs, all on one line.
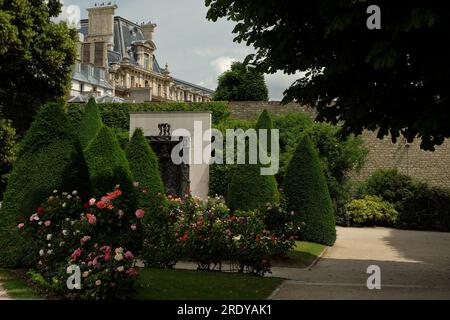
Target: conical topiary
{"points": [[249, 189], [306, 192], [145, 170], [50, 158], [107, 163], [90, 124]]}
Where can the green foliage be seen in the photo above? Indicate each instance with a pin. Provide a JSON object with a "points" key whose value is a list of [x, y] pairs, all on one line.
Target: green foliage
{"points": [[117, 115], [419, 205], [50, 158], [349, 69], [338, 156], [90, 124], [107, 163], [145, 171], [240, 84], [8, 150], [249, 189], [36, 58], [306, 192], [371, 211]]}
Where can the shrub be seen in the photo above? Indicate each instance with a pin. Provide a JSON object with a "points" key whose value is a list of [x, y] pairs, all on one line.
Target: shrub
{"points": [[249, 189], [90, 124], [307, 193], [116, 115], [371, 211], [419, 205], [50, 158], [91, 236], [8, 150], [107, 163], [145, 171]]}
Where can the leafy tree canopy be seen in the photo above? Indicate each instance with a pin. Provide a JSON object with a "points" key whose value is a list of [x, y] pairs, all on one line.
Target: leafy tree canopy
{"points": [[36, 56], [241, 84], [394, 79]]}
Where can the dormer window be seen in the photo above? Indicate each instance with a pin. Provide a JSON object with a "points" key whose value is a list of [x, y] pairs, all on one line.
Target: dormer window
{"points": [[146, 61]]}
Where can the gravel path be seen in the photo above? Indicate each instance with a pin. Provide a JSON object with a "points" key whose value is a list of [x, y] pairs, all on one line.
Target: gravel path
{"points": [[414, 265]]}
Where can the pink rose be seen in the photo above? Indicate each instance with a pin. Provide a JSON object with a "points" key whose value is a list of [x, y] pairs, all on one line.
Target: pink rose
{"points": [[101, 205], [21, 225], [91, 218], [128, 255], [140, 213], [131, 272], [76, 254], [47, 223], [92, 202]]}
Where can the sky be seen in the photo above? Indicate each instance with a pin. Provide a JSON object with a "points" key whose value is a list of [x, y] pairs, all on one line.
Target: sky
{"points": [[196, 50]]}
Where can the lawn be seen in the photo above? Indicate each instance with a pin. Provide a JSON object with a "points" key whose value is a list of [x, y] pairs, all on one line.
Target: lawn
{"points": [[16, 287], [303, 254], [157, 284]]}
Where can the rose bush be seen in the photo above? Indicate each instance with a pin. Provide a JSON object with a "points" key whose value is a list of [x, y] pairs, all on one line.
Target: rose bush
{"points": [[96, 237], [209, 234]]}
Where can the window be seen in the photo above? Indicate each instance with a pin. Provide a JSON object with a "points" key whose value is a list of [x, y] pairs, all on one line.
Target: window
{"points": [[146, 62], [132, 81], [81, 88]]}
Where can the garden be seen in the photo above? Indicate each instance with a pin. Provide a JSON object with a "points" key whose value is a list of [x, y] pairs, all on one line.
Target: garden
{"points": [[83, 199]]}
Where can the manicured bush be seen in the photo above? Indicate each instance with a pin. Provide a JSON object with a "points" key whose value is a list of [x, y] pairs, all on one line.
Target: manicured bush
{"points": [[90, 124], [107, 163], [307, 193], [371, 211], [419, 205], [145, 171], [249, 189], [50, 158], [92, 237]]}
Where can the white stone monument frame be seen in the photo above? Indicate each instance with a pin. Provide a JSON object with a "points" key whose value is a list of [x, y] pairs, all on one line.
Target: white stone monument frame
{"points": [[148, 121]]}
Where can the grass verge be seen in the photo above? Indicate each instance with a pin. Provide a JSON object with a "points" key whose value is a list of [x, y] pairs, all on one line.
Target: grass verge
{"points": [[303, 254], [157, 284], [15, 287]]}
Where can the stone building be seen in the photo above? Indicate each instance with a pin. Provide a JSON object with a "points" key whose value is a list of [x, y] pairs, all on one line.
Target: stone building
{"points": [[117, 57]]}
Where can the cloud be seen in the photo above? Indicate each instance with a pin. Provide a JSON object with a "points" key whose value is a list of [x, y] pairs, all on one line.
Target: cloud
{"points": [[222, 64], [279, 82]]}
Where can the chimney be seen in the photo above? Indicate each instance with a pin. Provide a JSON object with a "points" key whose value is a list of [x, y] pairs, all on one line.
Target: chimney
{"points": [[147, 30], [101, 23]]}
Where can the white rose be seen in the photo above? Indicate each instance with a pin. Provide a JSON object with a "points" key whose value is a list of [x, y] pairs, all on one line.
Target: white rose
{"points": [[120, 269], [118, 257], [41, 252], [49, 237]]}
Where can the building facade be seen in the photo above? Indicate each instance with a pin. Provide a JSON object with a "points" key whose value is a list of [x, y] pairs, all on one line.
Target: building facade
{"points": [[117, 57]]}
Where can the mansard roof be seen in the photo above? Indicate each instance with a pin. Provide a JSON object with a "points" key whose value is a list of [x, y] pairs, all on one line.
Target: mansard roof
{"points": [[125, 34]]}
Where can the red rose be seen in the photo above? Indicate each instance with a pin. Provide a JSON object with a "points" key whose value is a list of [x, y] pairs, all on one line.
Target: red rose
{"points": [[40, 210], [101, 204]]}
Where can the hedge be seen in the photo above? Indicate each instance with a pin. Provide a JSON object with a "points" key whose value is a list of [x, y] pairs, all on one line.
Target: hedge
{"points": [[306, 192], [116, 115], [249, 189], [145, 170], [90, 123], [107, 164], [50, 159]]}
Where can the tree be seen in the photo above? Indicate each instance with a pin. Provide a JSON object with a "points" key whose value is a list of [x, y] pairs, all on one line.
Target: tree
{"points": [[306, 191], [248, 189], [36, 57], [241, 84], [90, 124], [145, 170], [8, 147], [107, 163], [50, 159], [394, 79]]}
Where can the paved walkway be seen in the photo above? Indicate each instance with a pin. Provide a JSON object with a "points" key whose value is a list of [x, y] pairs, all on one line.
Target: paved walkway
{"points": [[414, 265]]}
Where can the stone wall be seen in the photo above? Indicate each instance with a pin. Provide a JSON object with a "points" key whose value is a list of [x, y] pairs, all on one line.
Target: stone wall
{"points": [[432, 167]]}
